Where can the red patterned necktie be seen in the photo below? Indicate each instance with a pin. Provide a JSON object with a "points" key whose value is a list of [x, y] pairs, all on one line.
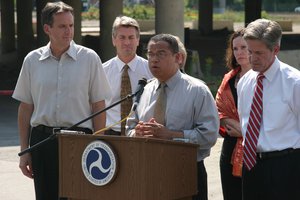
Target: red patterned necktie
{"points": [[125, 90], [254, 123]]}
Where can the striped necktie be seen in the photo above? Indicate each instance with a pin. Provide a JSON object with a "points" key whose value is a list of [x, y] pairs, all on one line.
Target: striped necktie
{"points": [[125, 90], [253, 128], [160, 105]]}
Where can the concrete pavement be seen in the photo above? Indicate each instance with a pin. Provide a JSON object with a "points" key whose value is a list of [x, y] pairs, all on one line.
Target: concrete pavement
{"points": [[13, 184]]}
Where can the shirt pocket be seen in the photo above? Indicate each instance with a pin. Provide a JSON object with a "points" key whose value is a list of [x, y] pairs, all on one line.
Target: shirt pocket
{"points": [[276, 115], [178, 119]]}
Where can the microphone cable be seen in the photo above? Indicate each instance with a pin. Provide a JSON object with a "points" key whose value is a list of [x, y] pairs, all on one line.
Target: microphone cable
{"points": [[118, 122]]}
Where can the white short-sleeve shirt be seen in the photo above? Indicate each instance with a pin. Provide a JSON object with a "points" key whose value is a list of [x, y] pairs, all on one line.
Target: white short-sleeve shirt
{"points": [[62, 90]]}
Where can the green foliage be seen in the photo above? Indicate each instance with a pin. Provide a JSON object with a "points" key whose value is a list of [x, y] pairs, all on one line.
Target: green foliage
{"points": [[190, 14], [91, 14], [236, 16], [264, 14], [192, 67], [140, 12], [230, 15], [213, 82], [277, 17], [148, 12]]}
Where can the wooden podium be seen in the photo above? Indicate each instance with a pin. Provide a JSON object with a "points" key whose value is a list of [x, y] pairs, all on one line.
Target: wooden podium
{"points": [[148, 169]]}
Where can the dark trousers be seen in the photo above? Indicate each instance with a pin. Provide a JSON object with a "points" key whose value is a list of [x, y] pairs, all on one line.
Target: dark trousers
{"points": [[276, 178], [231, 185], [45, 165], [202, 182]]}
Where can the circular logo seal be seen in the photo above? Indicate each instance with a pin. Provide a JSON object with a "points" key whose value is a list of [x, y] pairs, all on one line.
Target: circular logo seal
{"points": [[99, 163]]}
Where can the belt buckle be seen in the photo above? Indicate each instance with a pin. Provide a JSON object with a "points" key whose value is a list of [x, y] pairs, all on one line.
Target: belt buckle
{"points": [[55, 130]]}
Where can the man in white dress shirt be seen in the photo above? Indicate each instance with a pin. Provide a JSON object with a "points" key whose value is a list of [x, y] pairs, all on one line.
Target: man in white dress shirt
{"points": [[125, 38], [275, 174], [59, 85]]}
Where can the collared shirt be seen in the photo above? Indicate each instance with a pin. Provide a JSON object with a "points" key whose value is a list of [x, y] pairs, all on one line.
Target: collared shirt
{"points": [[190, 108], [280, 128], [138, 69], [62, 90]]}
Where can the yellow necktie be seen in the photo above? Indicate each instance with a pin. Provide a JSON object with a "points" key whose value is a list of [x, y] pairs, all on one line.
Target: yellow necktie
{"points": [[125, 90]]}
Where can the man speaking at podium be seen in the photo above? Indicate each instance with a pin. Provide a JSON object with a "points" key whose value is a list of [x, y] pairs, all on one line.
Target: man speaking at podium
{"points": [[176, 106], [59, 85]]}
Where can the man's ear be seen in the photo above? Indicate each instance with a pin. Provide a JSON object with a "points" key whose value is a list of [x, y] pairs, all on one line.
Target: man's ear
{"points": [[276, 49], [46, 28], [113, 41], [178, 58]]}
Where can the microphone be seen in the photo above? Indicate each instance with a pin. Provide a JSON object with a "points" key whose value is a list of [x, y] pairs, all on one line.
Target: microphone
{"points": [[138, 93]]}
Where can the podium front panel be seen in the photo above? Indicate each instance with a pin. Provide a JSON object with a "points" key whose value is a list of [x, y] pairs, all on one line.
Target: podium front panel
{"points": [[148, 169]]}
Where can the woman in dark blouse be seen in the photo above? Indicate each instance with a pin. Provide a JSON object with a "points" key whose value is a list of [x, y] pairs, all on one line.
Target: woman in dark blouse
{"points": [[231, 160]]}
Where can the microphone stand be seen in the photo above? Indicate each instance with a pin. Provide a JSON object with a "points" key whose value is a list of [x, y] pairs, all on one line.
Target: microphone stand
{"points": [[33, 147]]}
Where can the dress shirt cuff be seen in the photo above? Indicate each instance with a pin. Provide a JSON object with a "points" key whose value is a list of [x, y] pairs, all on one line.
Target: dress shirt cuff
{"points": [[131, 133]]}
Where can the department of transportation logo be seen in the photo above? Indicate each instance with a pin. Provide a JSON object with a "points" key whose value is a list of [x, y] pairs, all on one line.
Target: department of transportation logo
{"points": [[99, 163]]}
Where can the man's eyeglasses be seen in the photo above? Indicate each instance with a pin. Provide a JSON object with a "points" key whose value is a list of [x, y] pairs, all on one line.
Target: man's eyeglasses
{"points": [[160, 55]]}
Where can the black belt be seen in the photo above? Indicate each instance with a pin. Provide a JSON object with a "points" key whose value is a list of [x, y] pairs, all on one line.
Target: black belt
{"points": [[51, 130], [273, 154], [111, 132]]}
